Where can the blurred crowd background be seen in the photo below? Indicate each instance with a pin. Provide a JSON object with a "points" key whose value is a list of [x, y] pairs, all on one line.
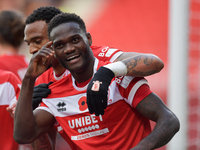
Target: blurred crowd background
{"points": [[139, 26]]}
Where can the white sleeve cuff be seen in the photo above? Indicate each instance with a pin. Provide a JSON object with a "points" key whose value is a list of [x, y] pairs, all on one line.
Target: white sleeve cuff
{"points": [[118, 68]]}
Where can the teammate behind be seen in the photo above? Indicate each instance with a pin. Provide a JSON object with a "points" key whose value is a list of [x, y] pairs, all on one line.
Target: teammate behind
{"points": [[9, 92]]}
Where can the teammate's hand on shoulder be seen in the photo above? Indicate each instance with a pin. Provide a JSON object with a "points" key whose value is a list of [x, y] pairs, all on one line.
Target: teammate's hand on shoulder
{"points": [[97, 91], [40, 91]]}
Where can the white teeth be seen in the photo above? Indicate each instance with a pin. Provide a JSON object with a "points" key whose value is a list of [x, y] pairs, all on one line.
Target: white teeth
{"points": [[72, 57]]}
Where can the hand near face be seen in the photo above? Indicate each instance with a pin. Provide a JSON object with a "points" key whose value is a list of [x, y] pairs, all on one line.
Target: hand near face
{"points": [[40, 61]]}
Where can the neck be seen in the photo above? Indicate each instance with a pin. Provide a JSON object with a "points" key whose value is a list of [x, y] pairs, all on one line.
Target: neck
{"points": [[5, 49], [58, 69], [85, 74]]}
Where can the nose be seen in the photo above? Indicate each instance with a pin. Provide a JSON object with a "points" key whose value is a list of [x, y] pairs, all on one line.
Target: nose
{"points": [[69, 48], [32, 49]]}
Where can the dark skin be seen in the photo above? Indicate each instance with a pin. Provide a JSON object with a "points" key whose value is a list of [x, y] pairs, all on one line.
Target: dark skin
{"points": [[49, 141], [167, 123], [42, 127], [74, 43], [67, 44], [36, 37]]}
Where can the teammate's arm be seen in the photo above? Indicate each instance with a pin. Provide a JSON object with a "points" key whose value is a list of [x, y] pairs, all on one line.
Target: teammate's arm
{"points": [[167, 124], [135, 64], [141, 64]]}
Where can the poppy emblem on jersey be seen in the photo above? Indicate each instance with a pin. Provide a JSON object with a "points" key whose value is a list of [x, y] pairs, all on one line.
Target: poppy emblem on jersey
{"points": [[82, 103], [96, 85]]}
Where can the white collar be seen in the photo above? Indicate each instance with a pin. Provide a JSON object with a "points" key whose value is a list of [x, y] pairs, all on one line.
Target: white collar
{"points": [[96, 62]]}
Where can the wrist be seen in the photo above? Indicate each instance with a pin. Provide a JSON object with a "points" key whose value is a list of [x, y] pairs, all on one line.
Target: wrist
{"points": [[118, 68], [106, 73], [29, 79]]}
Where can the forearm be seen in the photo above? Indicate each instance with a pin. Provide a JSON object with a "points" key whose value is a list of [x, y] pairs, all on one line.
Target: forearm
{"points": [[162, 133], [46, 141], [43, 142], [140, 65], [167, 124], [24, 123]]}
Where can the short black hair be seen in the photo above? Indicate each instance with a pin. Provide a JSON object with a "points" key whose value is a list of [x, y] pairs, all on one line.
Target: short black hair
{"points": [[12, 26], [44, 13], [64, 18]]}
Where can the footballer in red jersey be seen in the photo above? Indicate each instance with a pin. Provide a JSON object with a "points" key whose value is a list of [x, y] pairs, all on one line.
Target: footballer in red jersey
{"points": [[9, 92]]}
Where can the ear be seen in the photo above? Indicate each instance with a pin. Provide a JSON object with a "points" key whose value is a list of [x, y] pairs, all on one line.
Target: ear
{"points": [[89, 37]]}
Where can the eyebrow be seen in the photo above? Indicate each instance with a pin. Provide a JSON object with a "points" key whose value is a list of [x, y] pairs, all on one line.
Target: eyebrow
{"points": [[32, 39], [71, 37]]}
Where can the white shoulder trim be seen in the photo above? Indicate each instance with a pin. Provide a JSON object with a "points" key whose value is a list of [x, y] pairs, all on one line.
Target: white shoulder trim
{"points": [[96, 62], [115, 56], [45, 109], [134, 90], [8, 95], [125, 81]]}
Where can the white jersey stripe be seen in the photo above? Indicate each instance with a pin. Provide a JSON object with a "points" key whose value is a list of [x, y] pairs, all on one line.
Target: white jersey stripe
{"points": [[8, 93], [45, 109], [134, 90], [125, 81], [115, 56]]}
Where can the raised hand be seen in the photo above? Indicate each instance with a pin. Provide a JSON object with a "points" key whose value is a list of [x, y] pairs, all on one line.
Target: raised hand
{"points": [[40, 61], [97, 91]]}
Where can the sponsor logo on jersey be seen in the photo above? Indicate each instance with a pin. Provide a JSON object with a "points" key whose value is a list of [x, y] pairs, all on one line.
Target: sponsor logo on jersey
{"points": [[87, 124], [90, 134], [84, 121], [107, 52], [61, 106]]}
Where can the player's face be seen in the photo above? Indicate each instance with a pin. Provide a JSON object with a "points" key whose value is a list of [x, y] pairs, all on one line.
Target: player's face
{"points": [[72, 46], [36, 37]]}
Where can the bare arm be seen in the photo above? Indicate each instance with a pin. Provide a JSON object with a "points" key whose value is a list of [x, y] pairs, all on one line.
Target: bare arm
{"points": [[29, 124], [46, 141], [127, 64], [140, 65], [167, 124]]}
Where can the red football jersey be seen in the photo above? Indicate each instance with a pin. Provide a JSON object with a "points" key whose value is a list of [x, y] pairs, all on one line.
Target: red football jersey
{"points": [[121, 127], [9, 92], [17, 64]]}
